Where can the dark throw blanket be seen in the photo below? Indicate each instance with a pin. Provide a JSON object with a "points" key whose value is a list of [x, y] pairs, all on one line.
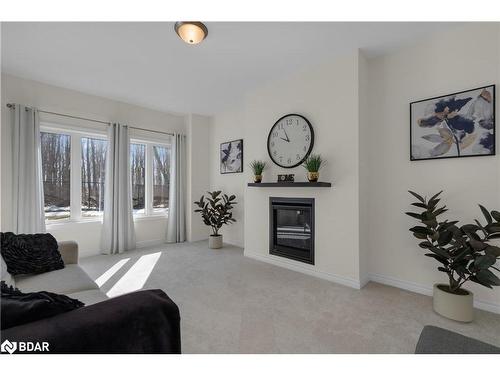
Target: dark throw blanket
{"points": [[20, 308], [142, 322]]}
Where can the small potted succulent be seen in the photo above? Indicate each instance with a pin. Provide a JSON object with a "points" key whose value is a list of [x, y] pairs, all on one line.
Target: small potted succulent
{"points": [[216, 212], [465, 253], [313, 164], [257, 168]]}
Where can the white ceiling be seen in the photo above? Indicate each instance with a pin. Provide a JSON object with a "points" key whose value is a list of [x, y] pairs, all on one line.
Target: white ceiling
{"points": [[147, 64]]}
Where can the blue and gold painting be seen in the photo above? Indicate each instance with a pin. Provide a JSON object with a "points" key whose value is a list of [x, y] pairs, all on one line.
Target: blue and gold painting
{"points": [[456, 125]]}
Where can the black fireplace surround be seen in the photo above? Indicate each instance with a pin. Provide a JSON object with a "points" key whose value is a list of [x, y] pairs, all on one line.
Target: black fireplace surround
{"points": [[291, 228]]}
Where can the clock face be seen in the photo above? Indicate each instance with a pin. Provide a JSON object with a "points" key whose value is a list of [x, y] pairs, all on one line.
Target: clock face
{"points": [[290, 141]]}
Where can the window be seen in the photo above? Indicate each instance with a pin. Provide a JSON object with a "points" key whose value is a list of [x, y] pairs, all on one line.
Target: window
{"points": [[138, 173], [93, 166], [150, 174], [161, 178], [73, 171], [56, 174]]}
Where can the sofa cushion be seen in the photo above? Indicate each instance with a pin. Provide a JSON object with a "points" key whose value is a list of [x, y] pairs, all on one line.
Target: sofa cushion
{"points": [[5, 275], [89, 297], [30, 253], [70, 279], [20, 308]]}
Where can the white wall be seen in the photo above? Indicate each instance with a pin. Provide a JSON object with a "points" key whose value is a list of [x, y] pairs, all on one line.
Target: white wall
{"points": [[198, 129], [225, 127], [370, 168], [328, 97], [449, 62], [51, 98]]}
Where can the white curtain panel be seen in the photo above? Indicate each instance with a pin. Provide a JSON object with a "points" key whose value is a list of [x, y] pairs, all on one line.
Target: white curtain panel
{"points": [[28, 205], [176, 227], [118, 233]]}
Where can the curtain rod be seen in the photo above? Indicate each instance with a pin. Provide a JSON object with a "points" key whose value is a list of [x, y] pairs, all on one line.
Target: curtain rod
{"points": [[10, 105]]}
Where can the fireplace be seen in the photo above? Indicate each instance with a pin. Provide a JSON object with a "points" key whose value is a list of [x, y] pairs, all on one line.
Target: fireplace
{"points": [[291, 228]]}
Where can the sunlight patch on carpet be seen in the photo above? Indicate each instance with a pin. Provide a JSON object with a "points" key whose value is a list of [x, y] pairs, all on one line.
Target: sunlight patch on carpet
{"points": [[136, 276]]}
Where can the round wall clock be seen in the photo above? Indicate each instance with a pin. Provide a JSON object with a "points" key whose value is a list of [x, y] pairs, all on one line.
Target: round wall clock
{"points": [[290, 141]]}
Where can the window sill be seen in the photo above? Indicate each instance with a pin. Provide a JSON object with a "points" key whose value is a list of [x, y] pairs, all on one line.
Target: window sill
{"points": [[151, 217], [69, 222], [99, 220]]}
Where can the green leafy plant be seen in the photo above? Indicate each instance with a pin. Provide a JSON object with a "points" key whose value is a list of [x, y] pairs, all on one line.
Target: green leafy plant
{"points": [[216, 210], [258, 167], [465, 252], [313, 163]]}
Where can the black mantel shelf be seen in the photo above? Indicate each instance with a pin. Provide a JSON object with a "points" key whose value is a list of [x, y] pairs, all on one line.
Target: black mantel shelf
{"points": [[291, 184]]}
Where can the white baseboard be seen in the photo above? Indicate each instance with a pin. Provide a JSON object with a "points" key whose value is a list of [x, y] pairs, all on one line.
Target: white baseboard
{"points": [[291, 265], [422, 289], [148, 243], [358, 284]]}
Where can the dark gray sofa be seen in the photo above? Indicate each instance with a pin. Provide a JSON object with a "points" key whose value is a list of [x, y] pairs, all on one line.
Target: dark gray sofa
{"points": [[435, 340]]}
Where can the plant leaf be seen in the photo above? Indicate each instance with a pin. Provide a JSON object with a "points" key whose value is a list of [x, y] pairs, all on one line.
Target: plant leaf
{"points": [[421, 229], [496, 215], [486, 214], [425, 245], [420, 205], [488, 277], [414, 215], [485, 261], [470, 228], [477, 245], [493, 250], [417, 196], [440, 259], [445, 238]]}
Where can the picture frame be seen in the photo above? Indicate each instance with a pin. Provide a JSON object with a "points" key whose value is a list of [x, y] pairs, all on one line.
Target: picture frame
{"points": [[456, 125], [231, 156]]}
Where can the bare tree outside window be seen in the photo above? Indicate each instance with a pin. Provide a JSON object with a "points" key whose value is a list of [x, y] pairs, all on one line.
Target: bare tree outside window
{"points": [[93, 173], [56, 173], [138, 168], [161, 178]]}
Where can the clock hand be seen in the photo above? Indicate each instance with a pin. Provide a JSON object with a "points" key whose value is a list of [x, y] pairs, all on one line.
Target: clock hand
{"points": [[286, 140], [286, 135]]}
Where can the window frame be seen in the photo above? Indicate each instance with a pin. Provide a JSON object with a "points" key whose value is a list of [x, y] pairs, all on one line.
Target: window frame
{"points": [[75, 197], [149, 211], [77, 132]]}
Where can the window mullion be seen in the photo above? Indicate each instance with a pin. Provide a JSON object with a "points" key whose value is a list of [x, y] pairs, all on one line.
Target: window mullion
{"points": [[149, 180], [76, 175]]}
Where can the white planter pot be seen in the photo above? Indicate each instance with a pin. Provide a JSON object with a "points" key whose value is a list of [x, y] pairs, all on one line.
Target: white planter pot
{"points": [[215, 242], [453, 306]]}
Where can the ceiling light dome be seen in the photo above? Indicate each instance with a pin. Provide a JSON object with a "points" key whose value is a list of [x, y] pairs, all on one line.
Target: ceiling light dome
{"points": [[191, 32]]}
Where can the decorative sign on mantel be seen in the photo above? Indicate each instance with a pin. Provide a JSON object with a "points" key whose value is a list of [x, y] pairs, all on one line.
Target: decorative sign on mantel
{"points": [[286, 177]]}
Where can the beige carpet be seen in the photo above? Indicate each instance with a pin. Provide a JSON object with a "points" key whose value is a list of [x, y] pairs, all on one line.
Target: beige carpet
{"points": [[233, 304]]}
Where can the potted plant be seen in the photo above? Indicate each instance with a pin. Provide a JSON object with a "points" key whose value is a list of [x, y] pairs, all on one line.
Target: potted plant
{"points": [[215, 212], [313, 164], [465, 253], [257, 168]]}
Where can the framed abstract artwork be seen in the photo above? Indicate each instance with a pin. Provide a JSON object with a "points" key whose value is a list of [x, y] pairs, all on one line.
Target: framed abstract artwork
{"points": [[456, 125], [231, 157]]}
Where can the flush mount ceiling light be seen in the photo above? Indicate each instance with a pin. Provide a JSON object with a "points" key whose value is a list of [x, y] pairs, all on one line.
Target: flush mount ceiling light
{"points": [[191, 32]]}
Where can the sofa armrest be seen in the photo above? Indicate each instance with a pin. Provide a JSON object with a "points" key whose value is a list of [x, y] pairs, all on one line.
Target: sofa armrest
{"points": [[147, 321], [69, 251]]}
